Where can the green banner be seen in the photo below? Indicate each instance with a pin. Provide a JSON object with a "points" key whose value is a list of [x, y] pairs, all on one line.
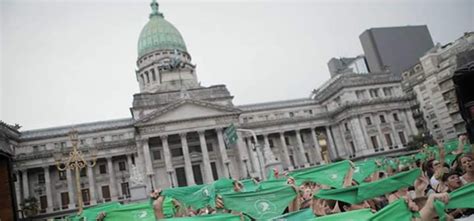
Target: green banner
{"points": [[364, 169], [357, 194], [303, 214], [261, 204], [461, 198], [395, 211], [211, 217], [92, 212], [330, 174], [132, 212], [356, 215]]}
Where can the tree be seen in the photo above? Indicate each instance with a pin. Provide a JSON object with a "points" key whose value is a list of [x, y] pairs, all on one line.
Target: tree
{"points": [[30, 206]]}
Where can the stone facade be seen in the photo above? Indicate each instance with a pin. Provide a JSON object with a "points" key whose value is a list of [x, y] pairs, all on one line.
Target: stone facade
{"points": [[175, 134], [431, 81]]}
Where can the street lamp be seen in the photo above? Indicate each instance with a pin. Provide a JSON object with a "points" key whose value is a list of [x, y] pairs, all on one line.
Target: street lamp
{"points": [[75, 162]]}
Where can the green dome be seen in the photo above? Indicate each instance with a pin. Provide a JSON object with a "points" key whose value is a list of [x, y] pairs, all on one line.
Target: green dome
{"points": [[159, 34]]}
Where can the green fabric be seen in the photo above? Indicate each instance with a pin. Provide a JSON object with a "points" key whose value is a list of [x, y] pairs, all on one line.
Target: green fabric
{"points": [[395, 211], [357, 194], [271, 175], [272, 183], [210, 217], [329, 174], [296, 216], [249, 185], [356, 215], [363, 169], [132, 212], [197, 196], [168, 207], [461, 198], [92, 212], [200, 196], [261, 204]]}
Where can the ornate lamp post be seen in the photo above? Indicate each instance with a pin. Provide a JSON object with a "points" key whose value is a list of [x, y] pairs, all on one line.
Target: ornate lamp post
{"points": [[75, 161]]}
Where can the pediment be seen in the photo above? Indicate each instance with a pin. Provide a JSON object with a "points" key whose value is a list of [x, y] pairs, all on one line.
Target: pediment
{"points": [[187, 109]]}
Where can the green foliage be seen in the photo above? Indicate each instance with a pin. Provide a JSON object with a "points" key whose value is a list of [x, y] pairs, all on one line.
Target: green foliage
{"points": [[417, 141]]}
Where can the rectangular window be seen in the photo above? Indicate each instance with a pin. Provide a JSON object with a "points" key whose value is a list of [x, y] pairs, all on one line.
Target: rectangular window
{"points": [[214, 171], [388, 138], [83, 172], [307, 157], [176, 152], [287, 141], [43, 203], [62, 175], [395, 117], [210, 148], [382, 119], [402, 137], [122, 166], [360, 94], [181, 176], [63, 144], [102, 169], [106, 193], [41, 178], [86, 197], [375, 144], [353, 148], [368, 120], [156, 155], [125, 189], [374, 93], [346, 126], [64, 199], [270, 142]]}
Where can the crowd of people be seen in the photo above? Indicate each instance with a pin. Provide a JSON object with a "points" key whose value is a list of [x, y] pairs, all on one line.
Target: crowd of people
{"points": [[434, 184]]}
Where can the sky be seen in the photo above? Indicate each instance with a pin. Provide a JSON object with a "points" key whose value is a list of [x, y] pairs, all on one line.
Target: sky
{"points": [[68, 62]]}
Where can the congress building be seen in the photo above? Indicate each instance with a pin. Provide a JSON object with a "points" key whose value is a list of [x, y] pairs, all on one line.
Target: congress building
{"points": [[176, 134]]}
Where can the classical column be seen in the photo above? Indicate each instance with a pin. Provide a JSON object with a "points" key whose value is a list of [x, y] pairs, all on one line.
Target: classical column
{"points": [[330, 144], [91, 178], [301, 148], [205, 158], [47, 183], [266, 143], [24, 180], [187, 160], [18, 189], [147, 156], [168, 158], [286, 155], [396, 139], [70, 189], [410, 122], [112, 180], [383, 143], [317, 148], [243, 156], [129, 162], [223, 152], [358, 135]]}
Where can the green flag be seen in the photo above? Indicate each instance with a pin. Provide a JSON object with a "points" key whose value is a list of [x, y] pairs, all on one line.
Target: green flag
{"points": [[461, 198], [210, 217], [249, 185], [357, 194], [92, 212], [355, 215], [272, 183], [197, 196], [303, 214], [395, 211], [261, 204], [132, 212], [329, 174], [364, 169]]}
